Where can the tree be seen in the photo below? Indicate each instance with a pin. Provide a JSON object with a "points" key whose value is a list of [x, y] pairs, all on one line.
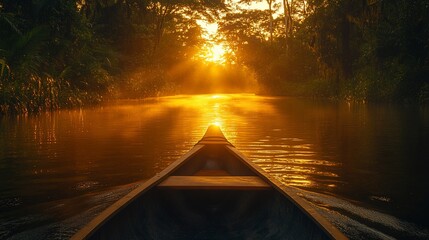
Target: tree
{"points": [[287, 19], [364, 48], [54, 57]]}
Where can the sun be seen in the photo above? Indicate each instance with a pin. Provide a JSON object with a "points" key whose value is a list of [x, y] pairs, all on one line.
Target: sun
{"points": [[213, 53], [216, 54]]}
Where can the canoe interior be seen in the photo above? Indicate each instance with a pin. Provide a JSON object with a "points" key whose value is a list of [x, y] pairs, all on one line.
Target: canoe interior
{"points": [[182, 213], [219, 214], [214, 160]]}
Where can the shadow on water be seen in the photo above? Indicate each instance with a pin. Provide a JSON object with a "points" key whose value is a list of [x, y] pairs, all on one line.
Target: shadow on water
{"points": [[363, 166]]}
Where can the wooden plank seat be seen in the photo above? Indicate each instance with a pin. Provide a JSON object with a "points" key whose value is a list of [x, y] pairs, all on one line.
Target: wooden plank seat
{"points": [[215, 182]]}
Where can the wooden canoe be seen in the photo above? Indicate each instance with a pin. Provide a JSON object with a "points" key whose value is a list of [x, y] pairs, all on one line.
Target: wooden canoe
{"points": [[212, 192]]}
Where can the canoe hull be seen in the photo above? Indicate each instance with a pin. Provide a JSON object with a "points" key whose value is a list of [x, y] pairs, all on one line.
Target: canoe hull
{"points": [[212, 192], [211, 214]]}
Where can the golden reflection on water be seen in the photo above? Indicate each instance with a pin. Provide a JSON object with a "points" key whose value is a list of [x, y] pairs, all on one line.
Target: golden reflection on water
{"points": [[289, 158], [251, 123], [292, 160], [130, 140]]}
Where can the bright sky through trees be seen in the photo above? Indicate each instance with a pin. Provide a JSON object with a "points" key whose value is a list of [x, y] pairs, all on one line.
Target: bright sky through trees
{"points": [[213, 51], [216, 54]]}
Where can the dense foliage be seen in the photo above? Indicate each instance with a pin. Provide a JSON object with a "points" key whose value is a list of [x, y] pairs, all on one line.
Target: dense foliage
{"points": [[376, 50], [50, 56], [59, 53], [359, 50]]}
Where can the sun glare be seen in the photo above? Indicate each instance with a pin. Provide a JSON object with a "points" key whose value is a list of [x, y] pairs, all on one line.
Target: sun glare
{"points": [[216, 54], [211, 51]]}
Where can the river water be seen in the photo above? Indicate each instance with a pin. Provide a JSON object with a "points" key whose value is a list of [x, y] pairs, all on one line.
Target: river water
{"points": [[363, 166]]}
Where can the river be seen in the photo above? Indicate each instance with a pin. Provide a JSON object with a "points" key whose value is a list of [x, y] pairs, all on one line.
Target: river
{"points": [[363, 166]]}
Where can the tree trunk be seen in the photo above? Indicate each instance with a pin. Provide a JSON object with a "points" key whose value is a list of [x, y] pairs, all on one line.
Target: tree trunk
{"points": [[159, 31], [287, 19], [270, 7], [286, 22], [345, 48]]}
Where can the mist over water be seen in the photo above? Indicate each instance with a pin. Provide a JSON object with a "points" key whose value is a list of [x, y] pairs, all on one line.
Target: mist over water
{"points": [[362, 166]]}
